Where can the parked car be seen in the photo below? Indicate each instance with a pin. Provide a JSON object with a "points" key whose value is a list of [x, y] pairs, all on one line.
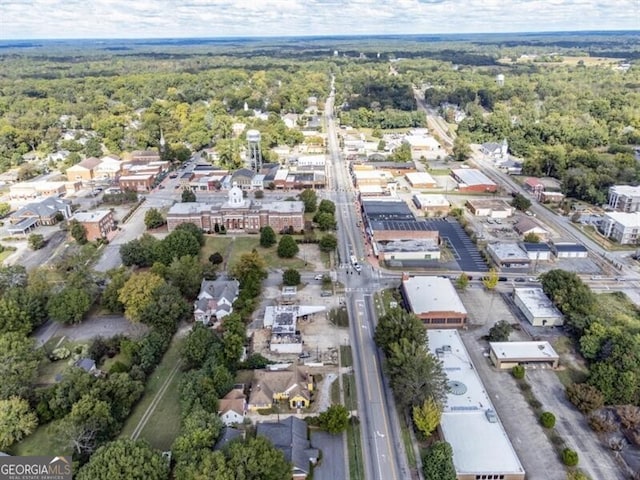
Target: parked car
{"points": [[326, 293], [520, 279], [318, 277]]}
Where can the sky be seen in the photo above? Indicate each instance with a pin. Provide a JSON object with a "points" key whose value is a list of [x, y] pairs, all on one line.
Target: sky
{"points": [[30, 19]]}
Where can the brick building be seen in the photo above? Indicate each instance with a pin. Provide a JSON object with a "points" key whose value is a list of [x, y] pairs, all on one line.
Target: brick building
{"points": [[433, 300], [98, 224]]}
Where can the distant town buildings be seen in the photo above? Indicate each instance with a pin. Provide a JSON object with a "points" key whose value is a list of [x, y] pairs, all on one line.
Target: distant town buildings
{"points": [[624, 198]]}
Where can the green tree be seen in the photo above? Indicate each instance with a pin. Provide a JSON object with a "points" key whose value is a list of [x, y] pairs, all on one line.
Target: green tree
{"points": [[287, 247], [327, 206], [188, 195], [310, 200], [427, 416], [193, 229], [70, 305], [141, 252], [87, 425], [291, 277], [490, 281], [257, 458], [572, 297], [125, 458], [137, 293], [463, 281], [267, 237], [166, 309], [16, 421], [116, 278], [186, 274], [520, 202], [531, 237], [249, 265], [325, 221], [13, 318], [200, 430], [153, 218], [198, 345], [547, 419], [518, 372], [36, 241], [461, 149], [177, 244], [500, 331], [78, 232], [437, 463], [328, 243], [5, 208], [335, 419], [398, 324], [216, 258]]}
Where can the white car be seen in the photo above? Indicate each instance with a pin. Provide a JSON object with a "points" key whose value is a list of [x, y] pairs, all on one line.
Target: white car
{"points": [[318, 277]]}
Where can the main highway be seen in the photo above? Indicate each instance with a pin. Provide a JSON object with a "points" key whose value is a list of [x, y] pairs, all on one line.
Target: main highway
{"points": [[382, 448]]}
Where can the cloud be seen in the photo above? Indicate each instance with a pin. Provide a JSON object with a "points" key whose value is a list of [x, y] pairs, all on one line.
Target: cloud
{"points": [[24, 19]]}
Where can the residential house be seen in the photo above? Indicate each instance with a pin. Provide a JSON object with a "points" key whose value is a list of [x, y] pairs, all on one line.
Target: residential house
{"points": [[290, 437], [497, 151], [233, 406], [97, 224], [293, 386], [87, 364], [215, 300], [83, 171]]}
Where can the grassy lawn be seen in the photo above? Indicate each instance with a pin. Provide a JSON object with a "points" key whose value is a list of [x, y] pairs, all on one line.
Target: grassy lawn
{"points": [[599, 239], [354, 444], [164, 423], [335, 393], [383, 300], [231, 249], [408, 444], [6, 254], [574, 370], [346, 360], [43, 441], [350, 393]]}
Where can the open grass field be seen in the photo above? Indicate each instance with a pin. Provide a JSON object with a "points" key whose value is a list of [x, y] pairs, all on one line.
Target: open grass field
{"points": [[156, 417], [232, 247], [43, 441], [567, 60]]}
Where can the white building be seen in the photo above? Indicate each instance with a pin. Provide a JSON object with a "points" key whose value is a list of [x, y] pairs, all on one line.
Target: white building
{"points": [[569, 250], [436, 204], [282, 320], [509, 354], [624, 198], [621, 226], [434, 300], [537, 308], [469, 423], [489, 207], [420, 180], [312, 161]]}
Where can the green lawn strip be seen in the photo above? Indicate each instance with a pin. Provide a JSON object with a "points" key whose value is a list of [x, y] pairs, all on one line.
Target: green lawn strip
{"points": [[406, 438], [164, 424], [354, 444], [43, 441], [346, 359], [154, 384], [335, 393], [350, 394]]}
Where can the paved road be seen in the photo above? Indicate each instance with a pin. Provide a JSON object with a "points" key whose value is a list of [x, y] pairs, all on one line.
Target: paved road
{"points": [[333, 464], [383, 450]]}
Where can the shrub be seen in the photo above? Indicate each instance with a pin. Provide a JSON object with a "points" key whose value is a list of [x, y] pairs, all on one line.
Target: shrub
{"points": [[585, 397], [535, 403], [524, 386], [601, 424], [518, 372], [547, 419], [60, 354], [569, 457]]}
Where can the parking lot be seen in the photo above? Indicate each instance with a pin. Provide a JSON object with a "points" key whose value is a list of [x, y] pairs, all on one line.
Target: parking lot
{"points": [[464, 250]]}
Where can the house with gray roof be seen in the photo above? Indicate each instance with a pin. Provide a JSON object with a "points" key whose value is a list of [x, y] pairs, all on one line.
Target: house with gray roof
{"points": [[290, 437], [215, 300]]}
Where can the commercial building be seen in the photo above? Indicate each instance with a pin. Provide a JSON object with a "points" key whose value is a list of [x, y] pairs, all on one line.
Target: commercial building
{"points": [[569, 250], [537, 308], [621, 227], [508, 255], [432, 205], [42, 189], [473, 180], [492, 208], [624, 198], [84, 170], [46, 212], [420, 180], [137, 183], [469, 422], [97, 224], [238, 214], [537, 251], [434, 300], [534, 186], [505, 355]]}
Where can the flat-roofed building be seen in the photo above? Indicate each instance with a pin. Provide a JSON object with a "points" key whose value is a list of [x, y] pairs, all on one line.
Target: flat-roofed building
{"points": [[420, 180], [622, 227], [97, 224], [508, 255], [435, 205], [137, 183], [537, 308], [434, 300], [473, 180], [537, 251], [469, 422], [494, 208], [624, 198], [509, 354], [43, 189], [569, 250]]}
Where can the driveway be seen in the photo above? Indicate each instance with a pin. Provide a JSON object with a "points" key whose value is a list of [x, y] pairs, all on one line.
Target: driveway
{"points": [[31, 259], [333, 463], [595, 459]]}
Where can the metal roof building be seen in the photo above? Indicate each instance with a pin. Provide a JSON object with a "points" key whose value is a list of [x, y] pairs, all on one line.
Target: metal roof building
{"points": [[537, 308], [509, 354], [481, 447], [434, 300]]}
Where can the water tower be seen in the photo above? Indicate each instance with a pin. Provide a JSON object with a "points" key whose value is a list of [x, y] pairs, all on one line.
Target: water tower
{"points": [[254, 154]]}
